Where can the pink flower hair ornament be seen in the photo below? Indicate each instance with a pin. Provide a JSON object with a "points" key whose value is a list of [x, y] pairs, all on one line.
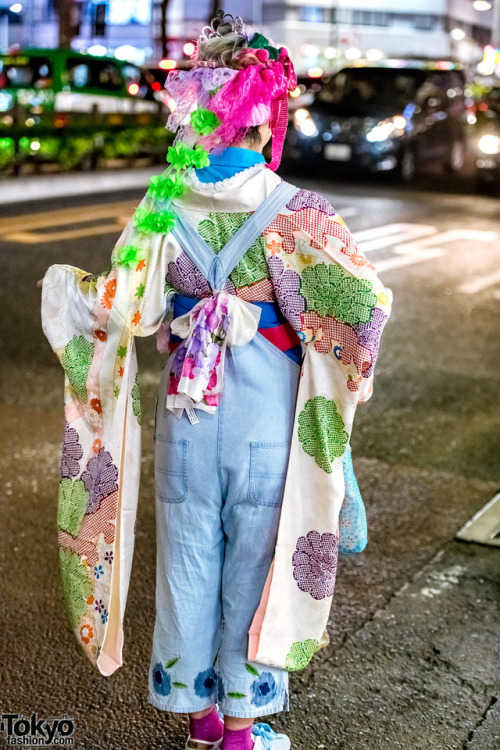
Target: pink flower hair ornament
{"points": [[253, 95]]}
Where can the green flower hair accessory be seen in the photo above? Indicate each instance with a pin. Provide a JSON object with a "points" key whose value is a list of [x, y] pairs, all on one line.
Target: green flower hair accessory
{"points": [[259, 41], [204, 121], [130, 256], [149, 222], [161, 188], [181, 156]]}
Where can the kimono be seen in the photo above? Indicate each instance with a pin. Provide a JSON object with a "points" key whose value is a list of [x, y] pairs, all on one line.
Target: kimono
{"points": [[307, 261]]}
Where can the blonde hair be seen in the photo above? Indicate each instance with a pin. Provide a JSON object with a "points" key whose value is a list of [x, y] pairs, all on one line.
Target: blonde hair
{"points": [[228, 51]]}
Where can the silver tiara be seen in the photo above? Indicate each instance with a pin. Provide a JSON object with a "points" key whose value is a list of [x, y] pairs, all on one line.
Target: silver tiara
{"points": [[223, 19]]}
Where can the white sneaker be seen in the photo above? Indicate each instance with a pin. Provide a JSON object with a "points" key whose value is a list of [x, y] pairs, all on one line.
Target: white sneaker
{"points": [[265, 738]]}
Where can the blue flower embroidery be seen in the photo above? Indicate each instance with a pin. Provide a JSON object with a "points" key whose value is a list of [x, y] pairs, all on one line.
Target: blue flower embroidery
{"points": [[104, 616], [205, 683], [263, 689], [162, 682], [98, 571], [337, 351]]}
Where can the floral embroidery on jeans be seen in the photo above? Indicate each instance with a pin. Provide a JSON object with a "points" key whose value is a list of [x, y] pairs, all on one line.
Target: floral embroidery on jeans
{"points": [[315, 564], [205, 683], [263, 689], [162, 682]]}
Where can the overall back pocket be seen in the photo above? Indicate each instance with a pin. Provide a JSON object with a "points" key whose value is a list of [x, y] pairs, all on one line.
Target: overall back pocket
{"points": [[171, 457], [268, 467]]}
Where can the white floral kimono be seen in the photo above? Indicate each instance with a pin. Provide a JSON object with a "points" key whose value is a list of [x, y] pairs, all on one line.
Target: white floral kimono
{"points": [[307, 261]]}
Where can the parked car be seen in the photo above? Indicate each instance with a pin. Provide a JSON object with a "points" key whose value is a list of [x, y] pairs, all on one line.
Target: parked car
{"points": [[488, 139], [387, 117]]}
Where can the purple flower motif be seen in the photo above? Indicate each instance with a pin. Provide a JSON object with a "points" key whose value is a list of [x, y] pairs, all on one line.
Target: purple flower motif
{"points": [[286, 285], [184, 275], [108, 556], [99, 605], [369, 335], [315, 564], [100, 479], [71, 453], [308, 199]]}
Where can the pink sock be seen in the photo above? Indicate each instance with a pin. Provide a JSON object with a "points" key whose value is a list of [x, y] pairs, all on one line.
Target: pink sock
{"points": [[237, 739], [209, 728]]}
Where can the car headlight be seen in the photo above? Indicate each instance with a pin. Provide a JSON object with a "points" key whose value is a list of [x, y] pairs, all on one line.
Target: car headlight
{"points": [[6, 101], [386, 129], [489, 144], [303, 122]]}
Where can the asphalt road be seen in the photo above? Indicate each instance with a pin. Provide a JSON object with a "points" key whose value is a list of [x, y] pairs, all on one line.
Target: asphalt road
{"points": [[413, 662]]}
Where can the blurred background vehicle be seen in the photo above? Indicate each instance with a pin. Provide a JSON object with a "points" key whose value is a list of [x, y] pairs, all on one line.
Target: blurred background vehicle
{"points": [[393, 116], [487, 139], [75, 109]]}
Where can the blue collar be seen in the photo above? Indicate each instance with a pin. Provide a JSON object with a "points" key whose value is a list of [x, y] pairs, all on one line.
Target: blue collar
{"points": [[231, 161]]}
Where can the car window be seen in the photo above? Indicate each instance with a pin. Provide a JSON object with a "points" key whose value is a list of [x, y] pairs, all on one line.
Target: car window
{"points": [[19, 72], [364, 91], [100, 74]]}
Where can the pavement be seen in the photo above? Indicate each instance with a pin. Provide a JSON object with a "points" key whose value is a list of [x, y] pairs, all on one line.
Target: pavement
{"points": [[414, 659]]}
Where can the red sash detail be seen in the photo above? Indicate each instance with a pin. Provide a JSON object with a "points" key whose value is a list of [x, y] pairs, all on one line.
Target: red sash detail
{"points": [[282, 336]]}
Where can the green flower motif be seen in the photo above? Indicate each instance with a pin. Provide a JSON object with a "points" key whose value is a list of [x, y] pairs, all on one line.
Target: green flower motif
{"points": [[160, 222], [329, 290], [72, 504], [300, 654], [139, 292], [204, 121], [130, 255], [259, 41], [136, 400], [161, 188], [121, 351], [181, 156], [218, 230], [77, 586], [76, 360], [321, 432]]}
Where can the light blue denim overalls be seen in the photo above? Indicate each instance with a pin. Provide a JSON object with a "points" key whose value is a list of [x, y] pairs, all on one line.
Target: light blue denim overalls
{"points": [[219, 487]]}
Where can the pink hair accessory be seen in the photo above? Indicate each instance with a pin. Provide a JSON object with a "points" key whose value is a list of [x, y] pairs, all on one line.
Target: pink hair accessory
{"points": [[262, 55]]}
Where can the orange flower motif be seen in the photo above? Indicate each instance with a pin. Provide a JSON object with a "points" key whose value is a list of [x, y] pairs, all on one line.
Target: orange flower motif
{"points": [[121, 371], [90, 599], [96, 445], [86, 632], [274, 247], [141, 265], [100, 334], [137, 318], [95, 404], [109, 294]]}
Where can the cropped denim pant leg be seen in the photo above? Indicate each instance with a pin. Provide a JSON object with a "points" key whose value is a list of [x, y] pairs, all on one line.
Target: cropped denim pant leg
{"points": [[219, 488]]}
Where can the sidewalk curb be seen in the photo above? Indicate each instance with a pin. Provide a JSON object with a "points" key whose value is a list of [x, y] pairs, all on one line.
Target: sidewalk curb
{"points": [[42, 187]]}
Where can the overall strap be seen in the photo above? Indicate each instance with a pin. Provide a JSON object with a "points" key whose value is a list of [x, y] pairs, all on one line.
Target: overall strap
{"points": [[216, 268]]}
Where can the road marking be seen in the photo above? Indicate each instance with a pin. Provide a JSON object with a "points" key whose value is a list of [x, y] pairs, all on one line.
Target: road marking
{"points": [[32, 238], [120, 212], [414, 243], [480, 283]]}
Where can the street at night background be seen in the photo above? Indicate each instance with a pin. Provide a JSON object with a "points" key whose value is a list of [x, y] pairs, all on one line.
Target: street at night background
{"points": [[412, 167]]}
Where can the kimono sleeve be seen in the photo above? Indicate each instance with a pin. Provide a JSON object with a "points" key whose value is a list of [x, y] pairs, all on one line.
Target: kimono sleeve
{"points": [[90, 322], [332, 297]]}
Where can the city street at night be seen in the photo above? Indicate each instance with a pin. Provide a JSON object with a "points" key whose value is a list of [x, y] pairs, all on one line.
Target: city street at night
{"points": [[413, 662]]}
